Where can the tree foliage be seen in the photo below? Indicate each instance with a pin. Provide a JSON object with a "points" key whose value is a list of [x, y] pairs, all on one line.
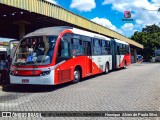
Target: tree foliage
{"points": [[150, 38]]}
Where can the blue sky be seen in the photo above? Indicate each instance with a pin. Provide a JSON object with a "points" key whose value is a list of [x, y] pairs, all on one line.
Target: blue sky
{"points": [[110, 13]]}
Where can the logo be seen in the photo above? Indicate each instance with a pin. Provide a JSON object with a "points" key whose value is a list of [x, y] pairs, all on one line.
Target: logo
{"points": [[6, 114], [127, 14]]}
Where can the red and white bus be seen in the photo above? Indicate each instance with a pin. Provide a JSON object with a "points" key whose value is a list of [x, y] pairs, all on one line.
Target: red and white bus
{"points": [[55, 55]]}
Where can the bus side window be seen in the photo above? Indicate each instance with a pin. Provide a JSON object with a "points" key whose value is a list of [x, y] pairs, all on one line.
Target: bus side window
{"points": [[97, 46], [86, 45], [109, 47], [122, 50], [125, 49], [104, 47], [87, 48], [118, 50], [77, 47], [128, 49], [63, 51]]}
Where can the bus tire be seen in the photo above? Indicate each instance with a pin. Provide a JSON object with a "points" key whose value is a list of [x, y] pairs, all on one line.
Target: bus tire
{"points": [[125, 65], [107, 68], [77, 75]]}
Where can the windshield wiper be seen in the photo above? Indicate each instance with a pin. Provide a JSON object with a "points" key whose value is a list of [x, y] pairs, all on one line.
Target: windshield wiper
{"points": [[34, 63]]}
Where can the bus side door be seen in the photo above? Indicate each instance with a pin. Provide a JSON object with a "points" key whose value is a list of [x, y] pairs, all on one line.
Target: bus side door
{"points": [[88, 59], [114, 54], [118, 56], [63, 55]]}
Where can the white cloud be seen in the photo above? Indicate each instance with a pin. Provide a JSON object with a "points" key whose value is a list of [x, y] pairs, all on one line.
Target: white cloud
{"points": [[52, 1], [121, 6], [156, 1], [83, 5], [138, 21], [106, 23], [141, 16], [128, 27]]}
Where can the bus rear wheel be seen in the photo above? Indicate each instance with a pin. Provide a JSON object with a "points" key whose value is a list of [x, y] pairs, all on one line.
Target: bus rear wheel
{"points": [[77, 75], [107, 68]]}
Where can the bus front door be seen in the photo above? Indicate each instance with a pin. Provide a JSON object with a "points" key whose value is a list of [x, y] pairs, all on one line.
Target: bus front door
{"points": [[88, 59]]}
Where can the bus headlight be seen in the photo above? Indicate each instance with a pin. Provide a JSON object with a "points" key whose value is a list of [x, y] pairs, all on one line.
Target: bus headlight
{"points": [[11, 73], [43, 73]]}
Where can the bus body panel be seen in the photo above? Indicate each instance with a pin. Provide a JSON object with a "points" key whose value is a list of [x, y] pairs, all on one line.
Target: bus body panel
{"points": [[107, 59], [128, 59], [88, 67], [124, 59], [64, 72], [101, 61], [118, 59], [121, 58]]}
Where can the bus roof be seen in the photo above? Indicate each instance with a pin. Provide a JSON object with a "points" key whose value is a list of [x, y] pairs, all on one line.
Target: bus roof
{"points": [[48, 31], [57, 30], [89, 34], [119, 41]]}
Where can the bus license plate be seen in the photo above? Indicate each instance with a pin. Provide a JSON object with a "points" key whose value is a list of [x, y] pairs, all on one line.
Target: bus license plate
{"points": [[25, 81]]}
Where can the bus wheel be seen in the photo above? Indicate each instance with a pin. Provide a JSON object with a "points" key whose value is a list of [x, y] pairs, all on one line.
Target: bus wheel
{"points": [[107, 68], [125, 65], [77, 76]]}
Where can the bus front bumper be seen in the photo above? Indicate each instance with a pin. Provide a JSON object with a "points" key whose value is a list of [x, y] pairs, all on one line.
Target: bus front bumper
{"points": [[33, 80]]}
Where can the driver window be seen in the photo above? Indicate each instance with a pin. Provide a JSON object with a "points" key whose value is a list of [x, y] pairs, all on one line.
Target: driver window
{"points": [[63, 50]]}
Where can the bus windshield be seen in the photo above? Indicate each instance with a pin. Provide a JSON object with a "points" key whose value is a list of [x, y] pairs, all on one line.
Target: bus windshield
{"points": [[35, 51]]}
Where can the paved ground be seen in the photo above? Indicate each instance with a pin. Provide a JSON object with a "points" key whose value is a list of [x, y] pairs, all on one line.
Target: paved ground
{"points": [[136, 88]]}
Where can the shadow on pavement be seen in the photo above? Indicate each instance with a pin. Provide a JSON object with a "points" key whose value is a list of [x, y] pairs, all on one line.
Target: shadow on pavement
{"points": [[33, 88]]}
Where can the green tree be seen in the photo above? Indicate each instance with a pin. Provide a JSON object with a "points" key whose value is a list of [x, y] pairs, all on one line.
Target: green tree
{"points": [[150, 38]]}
